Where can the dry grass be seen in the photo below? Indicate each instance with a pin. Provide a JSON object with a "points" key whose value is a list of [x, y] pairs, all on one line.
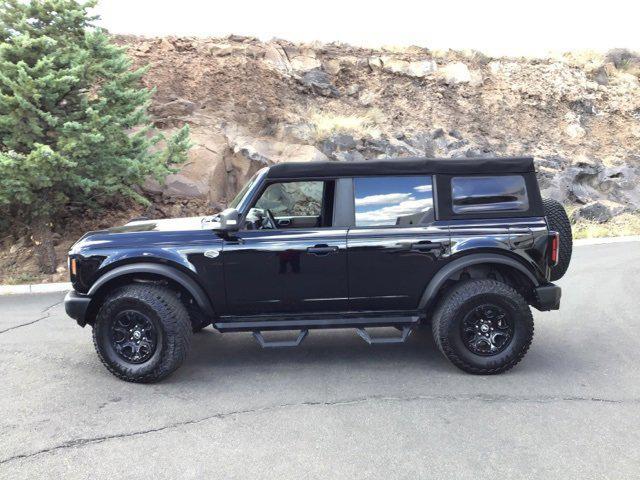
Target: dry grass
{"points": [[327, 123], [621, 225]]}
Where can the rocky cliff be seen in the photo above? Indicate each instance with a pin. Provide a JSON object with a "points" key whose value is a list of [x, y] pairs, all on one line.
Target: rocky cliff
{"points": [[251, 103]]}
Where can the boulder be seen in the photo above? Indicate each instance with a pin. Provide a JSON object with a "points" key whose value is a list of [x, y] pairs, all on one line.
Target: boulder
{"points": [[455, 73], [353, 89], [600, 211], [303, 61], [387, 147], [420, 68], [276, 58], [423, 142], [574, 130], [338, 142], [179, 186], [179, 107], [319, 82], [352, 156], [301, 132]]}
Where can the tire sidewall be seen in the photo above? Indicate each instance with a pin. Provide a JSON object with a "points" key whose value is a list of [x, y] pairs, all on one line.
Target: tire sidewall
{"points": [[102, 328], [522, 332]]}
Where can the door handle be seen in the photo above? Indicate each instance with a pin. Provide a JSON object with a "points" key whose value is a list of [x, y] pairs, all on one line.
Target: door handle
{"points": [[322, 249], [285, 222], [426, 247]]}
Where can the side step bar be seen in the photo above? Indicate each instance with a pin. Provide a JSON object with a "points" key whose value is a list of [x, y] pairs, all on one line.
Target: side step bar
{"points": [[264, 343], [406, 331]]}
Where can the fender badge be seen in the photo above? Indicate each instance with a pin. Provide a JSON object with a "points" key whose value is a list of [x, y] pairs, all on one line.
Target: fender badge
{"points": [[211, 253]]}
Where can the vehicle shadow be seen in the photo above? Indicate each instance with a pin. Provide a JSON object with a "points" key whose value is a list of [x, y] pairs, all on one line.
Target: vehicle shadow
{"points": [[322, 347], [340, 353]]}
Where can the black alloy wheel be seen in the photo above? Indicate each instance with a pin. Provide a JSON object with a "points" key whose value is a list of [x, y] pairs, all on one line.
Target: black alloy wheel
{"points": [[134, 337], [487, 329]]}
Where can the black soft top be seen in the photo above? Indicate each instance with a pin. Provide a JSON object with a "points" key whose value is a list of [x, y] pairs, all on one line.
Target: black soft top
{"points": [[403, 166]]}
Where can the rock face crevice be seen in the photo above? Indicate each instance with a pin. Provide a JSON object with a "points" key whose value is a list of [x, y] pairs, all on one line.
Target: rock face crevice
{"points": [[251, 104]]}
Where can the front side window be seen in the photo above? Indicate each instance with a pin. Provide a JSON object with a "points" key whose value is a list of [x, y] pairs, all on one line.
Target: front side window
{"points": [[291, 205], [489, 194], [292, 199], [393, 201]]}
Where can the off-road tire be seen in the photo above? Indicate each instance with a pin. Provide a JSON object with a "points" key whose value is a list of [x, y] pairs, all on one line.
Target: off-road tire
{"points": [[466, 295], [559, 222], [170, 318]]}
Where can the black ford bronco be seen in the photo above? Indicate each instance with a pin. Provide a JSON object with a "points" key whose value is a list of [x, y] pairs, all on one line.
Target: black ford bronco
{"points": [[463, 245]]}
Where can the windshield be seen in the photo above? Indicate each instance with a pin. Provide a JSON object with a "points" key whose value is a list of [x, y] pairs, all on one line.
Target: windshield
{"points": [[241, 194]]}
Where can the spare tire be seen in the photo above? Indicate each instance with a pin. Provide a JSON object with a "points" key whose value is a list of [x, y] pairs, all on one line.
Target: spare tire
{"points": [[558, 221]]}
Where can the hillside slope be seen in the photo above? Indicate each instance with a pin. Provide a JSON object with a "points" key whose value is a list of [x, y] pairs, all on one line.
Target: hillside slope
{"points": [[251, 103]]}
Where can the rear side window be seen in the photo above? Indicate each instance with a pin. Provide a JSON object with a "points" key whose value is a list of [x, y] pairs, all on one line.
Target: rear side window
{"points": [[389, 201], [489, 194]]}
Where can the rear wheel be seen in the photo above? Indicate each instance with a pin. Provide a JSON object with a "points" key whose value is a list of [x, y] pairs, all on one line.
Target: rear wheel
{"points": [[483, 326], [142, 333], [559, 222]]}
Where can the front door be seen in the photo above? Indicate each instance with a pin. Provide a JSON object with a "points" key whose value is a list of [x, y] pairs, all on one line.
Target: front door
{"points": [[288, 258], [396, 245]]}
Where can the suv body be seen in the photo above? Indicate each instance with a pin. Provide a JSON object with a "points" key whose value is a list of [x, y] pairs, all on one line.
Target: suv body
{"points": [[332, 245]]}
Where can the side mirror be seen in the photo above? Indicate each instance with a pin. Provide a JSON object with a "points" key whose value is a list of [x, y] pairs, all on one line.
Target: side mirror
{"points": [[230, 220]]}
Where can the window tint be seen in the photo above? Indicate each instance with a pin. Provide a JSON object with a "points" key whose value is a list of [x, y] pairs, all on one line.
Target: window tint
{"points": [[292, 199], [383, 201], [489, 194]]}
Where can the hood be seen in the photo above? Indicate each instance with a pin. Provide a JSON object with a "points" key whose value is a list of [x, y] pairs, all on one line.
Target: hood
{"points": [[168, 225], [149, 234]]}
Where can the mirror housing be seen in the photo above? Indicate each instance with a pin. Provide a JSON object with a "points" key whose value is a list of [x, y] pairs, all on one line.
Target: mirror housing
{"points": [[230, 220]]}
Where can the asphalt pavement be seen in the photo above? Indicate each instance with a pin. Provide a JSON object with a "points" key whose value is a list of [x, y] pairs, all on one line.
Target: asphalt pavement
{"points": [[334, 408]]}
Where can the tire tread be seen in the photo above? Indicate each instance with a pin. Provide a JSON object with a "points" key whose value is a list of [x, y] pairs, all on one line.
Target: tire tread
{"points": [[559, 221]]}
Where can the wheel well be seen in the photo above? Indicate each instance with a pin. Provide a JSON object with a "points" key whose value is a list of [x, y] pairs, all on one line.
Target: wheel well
{"points": [[496, 271], [196, 315]]}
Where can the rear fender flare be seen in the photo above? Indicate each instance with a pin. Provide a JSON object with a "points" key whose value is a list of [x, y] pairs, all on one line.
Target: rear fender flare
{"points": [[438, 280], [171, 273]]}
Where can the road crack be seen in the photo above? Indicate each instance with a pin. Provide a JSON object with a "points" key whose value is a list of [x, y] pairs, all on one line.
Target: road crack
{"points": [[81, 442], [46, 314]]}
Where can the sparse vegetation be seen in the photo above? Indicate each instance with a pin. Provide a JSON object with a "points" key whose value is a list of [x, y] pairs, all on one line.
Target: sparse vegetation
{"points": [[327, 123], [621, 225]]}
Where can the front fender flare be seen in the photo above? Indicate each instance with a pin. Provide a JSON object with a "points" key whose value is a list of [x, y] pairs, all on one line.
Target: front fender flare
{"points": [[167, 271], [429, 295]]}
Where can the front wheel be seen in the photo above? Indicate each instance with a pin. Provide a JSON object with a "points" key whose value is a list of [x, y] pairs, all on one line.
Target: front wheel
{"points": [[483, 326], [142, 333]]}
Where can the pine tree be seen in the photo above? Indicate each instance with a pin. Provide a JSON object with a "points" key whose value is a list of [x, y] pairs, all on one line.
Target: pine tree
{"points": [[73, 117]]}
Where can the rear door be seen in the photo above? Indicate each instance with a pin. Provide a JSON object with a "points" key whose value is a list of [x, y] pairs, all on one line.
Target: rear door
{"points": [[396, 245]]}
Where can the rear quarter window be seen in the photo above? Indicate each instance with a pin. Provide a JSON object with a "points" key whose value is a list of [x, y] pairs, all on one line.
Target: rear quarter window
{"points": [[475, 194]]}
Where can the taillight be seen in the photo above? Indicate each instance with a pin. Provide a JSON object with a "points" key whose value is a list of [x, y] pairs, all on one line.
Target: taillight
{"points": [[554, 254]]}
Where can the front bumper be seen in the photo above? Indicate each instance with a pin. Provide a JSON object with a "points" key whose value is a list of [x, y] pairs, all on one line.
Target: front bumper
{"points": [[547, 297], [76, 306]]}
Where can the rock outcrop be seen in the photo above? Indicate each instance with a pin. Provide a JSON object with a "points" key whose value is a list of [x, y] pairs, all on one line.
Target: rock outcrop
{"points": [[251, 104]]}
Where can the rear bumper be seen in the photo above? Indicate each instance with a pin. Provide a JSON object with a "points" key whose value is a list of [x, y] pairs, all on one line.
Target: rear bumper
{"points": [[547, 297], [76, 306]]}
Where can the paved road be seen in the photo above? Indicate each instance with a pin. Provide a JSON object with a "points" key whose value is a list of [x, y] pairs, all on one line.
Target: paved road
{"points": [[335, 407]]}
